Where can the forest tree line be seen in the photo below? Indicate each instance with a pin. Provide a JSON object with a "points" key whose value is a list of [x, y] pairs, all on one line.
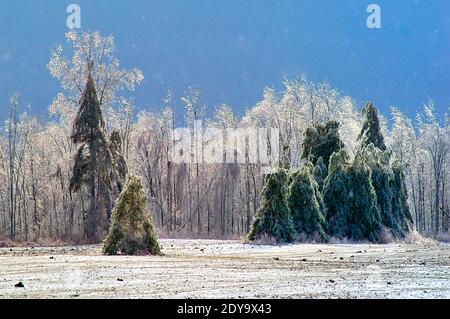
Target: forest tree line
{"points": [[37, 158]]}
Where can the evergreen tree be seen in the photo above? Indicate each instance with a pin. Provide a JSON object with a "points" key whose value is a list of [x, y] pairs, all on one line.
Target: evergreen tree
{"points": [[400, 200], [132, 231], [273, 220], [320, 172], [389, 185], [306, 205], [350, 200], [93, 161], [371, 130], [321, 141]]}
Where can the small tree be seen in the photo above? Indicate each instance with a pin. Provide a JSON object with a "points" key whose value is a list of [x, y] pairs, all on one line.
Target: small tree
{"points": [[371, 130], [132, 231], [306, 205], [273, 220], [321, 141]]}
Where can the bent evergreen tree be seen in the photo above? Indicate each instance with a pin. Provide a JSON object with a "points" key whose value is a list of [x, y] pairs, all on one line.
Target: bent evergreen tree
{"points": [[306, 205], [132, 231], [351, 201], [400, 200], [93, 160], [388, 182], [371, 130], [273, 220], [321, 141]]}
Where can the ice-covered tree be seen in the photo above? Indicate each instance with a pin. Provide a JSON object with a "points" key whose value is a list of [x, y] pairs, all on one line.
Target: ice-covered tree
{"points": [[400, 204], [107, 75], [351, 200], [195, 111], [405, 145], [390, 189], [371, 132], [132, 231], [273, 220], [403, 137], [435, 141], [306, 206], [93, 162], [321, 141]]}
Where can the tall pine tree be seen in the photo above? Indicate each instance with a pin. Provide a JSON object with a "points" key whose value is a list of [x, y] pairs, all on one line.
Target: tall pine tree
{"points": [[93, 163]]}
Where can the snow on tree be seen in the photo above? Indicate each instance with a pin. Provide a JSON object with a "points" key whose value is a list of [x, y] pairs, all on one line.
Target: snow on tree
{"points": [[306, 205], [93, 163], [195, 111], [435, 142], [273, 221], [403, 138], [108, 77], [371, 132], [224, 118], [405, 148], [350, 120], [132, 231], [351, 200], [389, 185], [321, 141]]}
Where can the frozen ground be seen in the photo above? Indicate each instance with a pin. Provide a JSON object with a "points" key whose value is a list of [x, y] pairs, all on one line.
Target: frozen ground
{"points": [[228, 269]]}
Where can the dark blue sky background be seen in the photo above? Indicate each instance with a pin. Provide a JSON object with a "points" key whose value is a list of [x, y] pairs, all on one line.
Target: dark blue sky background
{"points": [[234, 48]]}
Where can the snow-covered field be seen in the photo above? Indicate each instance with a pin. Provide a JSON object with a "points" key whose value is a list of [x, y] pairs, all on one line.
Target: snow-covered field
{"points": [[229, 269]]}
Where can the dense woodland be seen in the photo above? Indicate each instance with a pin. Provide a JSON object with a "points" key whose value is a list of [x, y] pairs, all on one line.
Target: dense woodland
{"points": [[43, 198]]}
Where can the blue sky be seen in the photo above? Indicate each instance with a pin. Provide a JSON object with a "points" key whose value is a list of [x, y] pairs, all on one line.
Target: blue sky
{"points": [[234, 48]]}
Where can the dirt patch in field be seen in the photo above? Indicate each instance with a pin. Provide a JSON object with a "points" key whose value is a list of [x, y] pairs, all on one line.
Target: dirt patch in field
{"points": [[229, 269]]}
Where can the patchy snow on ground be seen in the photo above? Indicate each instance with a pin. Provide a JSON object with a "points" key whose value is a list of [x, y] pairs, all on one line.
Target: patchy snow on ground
{"points": [[229, 269]]}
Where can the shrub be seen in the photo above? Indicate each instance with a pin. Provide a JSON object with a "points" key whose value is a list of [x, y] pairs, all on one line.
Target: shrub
{"points": [[132, 231]]}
